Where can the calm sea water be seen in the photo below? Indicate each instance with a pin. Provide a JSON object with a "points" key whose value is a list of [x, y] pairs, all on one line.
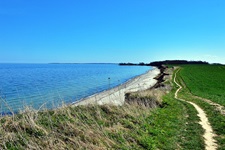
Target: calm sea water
{"points": [[47, 85]]}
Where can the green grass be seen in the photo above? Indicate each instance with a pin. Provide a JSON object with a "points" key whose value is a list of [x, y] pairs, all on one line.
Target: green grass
{"points": [[188, 74], [207, 81]]}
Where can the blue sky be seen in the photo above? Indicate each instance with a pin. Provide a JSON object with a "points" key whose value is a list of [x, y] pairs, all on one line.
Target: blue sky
{"points": [[43, 31]]}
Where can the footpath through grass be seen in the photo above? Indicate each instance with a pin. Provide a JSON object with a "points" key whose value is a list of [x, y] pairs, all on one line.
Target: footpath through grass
{"points": [[206, 81], [179, 121]]}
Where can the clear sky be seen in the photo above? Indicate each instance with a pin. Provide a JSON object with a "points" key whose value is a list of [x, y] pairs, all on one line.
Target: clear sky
{"points": [[43, 31]]}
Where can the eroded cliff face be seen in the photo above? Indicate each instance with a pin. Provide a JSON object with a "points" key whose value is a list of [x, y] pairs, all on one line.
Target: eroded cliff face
{"points": [[152, 97]]}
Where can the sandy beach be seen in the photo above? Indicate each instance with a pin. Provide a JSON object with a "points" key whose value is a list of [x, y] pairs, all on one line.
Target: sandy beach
{"points": [[116, 96]]}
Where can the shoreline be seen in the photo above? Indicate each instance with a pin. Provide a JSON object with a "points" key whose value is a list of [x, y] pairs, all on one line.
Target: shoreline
{"points": [[116, 95]]}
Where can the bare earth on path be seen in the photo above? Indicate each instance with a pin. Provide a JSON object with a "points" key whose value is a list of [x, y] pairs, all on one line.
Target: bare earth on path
{"points": [[208, 135]]}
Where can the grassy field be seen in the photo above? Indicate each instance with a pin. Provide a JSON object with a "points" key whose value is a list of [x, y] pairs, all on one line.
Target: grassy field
{"points": [[207, 81], [172, 125]]}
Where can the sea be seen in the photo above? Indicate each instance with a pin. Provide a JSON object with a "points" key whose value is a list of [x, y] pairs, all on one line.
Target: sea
{"points": [[48, 86]]}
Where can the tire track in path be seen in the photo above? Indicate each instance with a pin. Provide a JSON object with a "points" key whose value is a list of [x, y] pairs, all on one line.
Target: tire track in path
{"points": [[217, 106], [210, 143]]}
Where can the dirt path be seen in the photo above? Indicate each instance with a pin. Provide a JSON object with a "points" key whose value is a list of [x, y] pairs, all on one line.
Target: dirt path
{"points": [[218, 107], [208, 135]]}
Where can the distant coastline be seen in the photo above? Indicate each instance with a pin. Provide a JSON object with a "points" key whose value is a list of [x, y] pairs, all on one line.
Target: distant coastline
{"points": [[83, 63], [165, 62]]}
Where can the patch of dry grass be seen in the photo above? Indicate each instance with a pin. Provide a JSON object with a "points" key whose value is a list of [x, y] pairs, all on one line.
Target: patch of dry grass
{"points": [[82, 127]]}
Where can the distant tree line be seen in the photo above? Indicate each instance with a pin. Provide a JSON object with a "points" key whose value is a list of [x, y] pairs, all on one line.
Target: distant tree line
{"points": [[166, 62], [132, 64], [176, 62]]}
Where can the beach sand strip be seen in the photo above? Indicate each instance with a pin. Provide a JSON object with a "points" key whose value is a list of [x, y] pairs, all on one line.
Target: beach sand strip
{"points": [[116, 96]]}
